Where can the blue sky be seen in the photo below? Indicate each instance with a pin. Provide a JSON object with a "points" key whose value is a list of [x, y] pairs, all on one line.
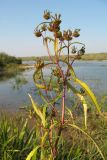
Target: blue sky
{"points": [[18, 19]]}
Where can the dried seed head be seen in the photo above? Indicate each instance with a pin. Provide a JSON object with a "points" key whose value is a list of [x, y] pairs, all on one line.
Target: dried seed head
{"points": [[76, 33], [81, 51], [69, 32], [74, 50], [56, 72], [67, 35], [46, 15], [38, 33], [57, 20], [50, 27], [44, 27], [53, 28], [39, 64]]}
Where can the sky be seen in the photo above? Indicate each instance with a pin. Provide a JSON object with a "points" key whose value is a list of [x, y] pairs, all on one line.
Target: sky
{"points": [[18, 19]]}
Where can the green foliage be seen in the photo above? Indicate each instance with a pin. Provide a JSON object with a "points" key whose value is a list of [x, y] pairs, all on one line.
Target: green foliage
{"points": [[95, 56], [22, 136], [87, 56], [5, 59], [16, 138]]}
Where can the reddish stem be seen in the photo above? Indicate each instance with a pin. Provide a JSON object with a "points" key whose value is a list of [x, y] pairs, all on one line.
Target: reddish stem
{"points": [[63, 105], [48, 52]]}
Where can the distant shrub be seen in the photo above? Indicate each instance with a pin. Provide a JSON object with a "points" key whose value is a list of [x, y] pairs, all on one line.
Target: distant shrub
{"points": [[7, 59]]}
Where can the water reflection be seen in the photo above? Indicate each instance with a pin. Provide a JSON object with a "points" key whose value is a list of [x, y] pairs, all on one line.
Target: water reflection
{"points": [[8, 74], [19, 81], [16, 74]]}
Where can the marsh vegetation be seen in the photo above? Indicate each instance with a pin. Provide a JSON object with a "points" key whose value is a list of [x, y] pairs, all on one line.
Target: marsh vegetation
{"points": [[7, 60]]}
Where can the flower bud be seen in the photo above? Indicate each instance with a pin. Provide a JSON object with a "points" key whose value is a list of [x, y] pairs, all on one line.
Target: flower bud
{"points": [[53, 28]]}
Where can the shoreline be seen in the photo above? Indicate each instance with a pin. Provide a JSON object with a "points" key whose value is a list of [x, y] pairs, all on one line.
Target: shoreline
{"points": [[26, 66]]}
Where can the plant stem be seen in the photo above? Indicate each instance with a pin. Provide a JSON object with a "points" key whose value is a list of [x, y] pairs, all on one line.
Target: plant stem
{"points": [[50, 136], [48, 50], [68, 51], [57, 140], [63, 105]]}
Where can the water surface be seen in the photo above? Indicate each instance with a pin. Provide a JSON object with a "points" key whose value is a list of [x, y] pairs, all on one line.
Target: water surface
{"points": [[14, 95]]}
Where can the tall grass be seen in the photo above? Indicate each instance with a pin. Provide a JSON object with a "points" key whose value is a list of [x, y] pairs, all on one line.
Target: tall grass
{"points": [[20, 138]]}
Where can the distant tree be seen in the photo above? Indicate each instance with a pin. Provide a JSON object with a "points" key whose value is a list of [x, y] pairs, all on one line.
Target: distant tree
{"points": [[7, 59]]}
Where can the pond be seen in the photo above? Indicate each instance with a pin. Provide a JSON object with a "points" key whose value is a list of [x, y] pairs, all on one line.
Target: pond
{"points": [[14, 89]]}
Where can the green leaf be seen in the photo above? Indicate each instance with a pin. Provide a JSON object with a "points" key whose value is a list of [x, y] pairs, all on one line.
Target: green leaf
{"points": [[70, 113], [23, 131], [43, 139], [75, 91], [86, 87], [89, 92], [38, 111], [40, 86], [32, 153]]}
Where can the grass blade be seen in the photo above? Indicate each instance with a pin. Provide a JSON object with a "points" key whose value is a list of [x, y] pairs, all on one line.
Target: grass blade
{"points": [[32, 153], [85, 133]]}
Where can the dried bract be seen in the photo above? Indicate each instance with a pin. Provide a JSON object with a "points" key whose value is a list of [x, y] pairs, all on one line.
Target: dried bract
{"points": [[57, 73]]}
